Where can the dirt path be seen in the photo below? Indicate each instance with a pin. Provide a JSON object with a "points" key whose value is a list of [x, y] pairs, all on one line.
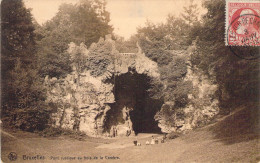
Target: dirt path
{"points": [[7, 134], [124, 142], [197, 146]]}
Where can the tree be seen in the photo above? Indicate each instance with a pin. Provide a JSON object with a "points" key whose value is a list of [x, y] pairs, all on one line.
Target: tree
{"points": [[237, 78], [190, 18], [25, 108], [190, 14], [101, 55], [17, 31], [84, 22], [126, 46], [22, 94], [177, 33], [91, 21], [17, 36], [17, 40], [156, 33], [162, 43]]}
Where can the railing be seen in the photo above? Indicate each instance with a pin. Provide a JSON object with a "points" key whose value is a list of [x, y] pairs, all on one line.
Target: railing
{"points": [[128, 54]]}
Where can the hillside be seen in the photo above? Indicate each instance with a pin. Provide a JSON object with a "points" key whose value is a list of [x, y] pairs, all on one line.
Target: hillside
{"points": [[233, 138]]}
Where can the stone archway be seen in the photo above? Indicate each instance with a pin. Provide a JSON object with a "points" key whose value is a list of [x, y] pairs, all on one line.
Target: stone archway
{"points": [[133, 109], [119, 97]]}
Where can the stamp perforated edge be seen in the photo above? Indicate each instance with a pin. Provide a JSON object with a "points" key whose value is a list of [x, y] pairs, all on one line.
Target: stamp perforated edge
{"points": [[226, 19]]}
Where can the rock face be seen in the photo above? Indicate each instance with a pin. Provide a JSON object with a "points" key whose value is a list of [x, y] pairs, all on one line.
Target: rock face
{"points": [[94, 105], [201, 108], [83, 101]]}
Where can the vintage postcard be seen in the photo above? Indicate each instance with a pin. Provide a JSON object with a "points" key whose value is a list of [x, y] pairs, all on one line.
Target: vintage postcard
{"points": [[130, 81]]}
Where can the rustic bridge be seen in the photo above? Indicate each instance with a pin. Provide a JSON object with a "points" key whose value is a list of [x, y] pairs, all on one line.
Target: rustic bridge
{"points": [[128, 54]]}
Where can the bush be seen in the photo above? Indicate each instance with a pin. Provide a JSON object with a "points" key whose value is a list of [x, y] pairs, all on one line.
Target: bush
{"points": [[23, 105], [31, 119], [100, 57], [173, 135], [55, 132], [171, 86], [155, 52]]}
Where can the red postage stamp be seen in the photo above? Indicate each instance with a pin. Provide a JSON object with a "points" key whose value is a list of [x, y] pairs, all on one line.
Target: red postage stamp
{"points": [[243, 23]]}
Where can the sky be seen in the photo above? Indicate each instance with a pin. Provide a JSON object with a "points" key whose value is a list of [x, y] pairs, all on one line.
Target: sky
{"points": [[125, 15]]}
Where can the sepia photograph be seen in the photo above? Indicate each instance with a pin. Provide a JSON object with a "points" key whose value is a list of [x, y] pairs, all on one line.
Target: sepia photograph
{"points": [[123, 81]]}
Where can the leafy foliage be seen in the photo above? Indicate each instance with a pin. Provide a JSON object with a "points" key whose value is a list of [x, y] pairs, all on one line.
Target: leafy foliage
{"points": [[237, 78], [85, 22], [100, 56], [167, 45], [176, 33], [53, 132], [173, 135], [154, 51], [17, 30], [17, 39], [126, 46], [190, 14], [22, 70], [25, 108], [22, 95], [172, 71]]}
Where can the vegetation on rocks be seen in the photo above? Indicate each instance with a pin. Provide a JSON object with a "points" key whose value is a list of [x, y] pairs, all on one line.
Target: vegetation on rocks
{"points": [[237, 78], [31, 52], [84, 22], [197, 73], [100, 56]]}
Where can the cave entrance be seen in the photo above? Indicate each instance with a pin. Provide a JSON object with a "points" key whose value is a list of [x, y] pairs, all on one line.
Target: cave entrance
{"points": [[133, 107]]}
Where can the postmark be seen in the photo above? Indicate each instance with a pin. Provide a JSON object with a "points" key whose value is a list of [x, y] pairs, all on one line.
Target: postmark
{"points": [[242, 23]]}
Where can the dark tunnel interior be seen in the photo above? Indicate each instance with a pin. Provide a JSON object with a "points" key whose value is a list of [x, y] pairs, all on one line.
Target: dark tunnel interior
{"points": [[131, 91]]}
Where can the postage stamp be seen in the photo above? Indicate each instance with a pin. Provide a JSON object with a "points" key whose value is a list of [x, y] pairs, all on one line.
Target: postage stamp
{"points": [[242, 23]]}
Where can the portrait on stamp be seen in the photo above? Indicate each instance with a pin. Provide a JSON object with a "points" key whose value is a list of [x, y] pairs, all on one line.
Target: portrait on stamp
{"points": [[242, 23]]}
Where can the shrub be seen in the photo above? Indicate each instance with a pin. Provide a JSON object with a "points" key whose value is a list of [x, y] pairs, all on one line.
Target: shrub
{"points": [[173, 135], [100, 56], [30, 119], [55, 132]]}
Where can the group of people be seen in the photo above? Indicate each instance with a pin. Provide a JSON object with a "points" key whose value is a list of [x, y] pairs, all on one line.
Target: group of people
{"points": [[152, 142], [113, 131], [155, 141]]}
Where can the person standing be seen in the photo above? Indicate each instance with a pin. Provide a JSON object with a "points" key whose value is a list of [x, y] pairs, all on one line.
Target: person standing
{"points": [[152, 141], [112, 131], [115, 131], [96, 128]]}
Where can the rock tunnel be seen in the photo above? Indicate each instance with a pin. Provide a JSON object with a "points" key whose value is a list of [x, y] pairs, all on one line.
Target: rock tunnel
{"points": [[133, 108]]}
